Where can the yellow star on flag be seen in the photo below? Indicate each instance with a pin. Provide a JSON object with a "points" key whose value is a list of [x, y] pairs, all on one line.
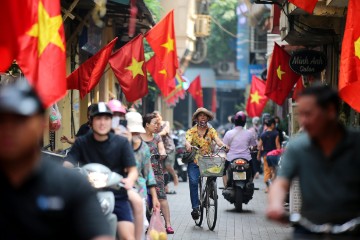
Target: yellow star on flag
{"points": [[169, 45], [357, 47], [255, 97], [135, 67], [279, 72], [163, 72], [46, 30]]}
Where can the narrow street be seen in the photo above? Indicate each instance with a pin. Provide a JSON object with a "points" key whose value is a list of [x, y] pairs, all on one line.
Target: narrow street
{"points": [[248, 225]]}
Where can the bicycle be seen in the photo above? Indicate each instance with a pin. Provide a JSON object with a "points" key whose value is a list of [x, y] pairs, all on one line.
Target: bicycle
{"points": [[211, 167]]}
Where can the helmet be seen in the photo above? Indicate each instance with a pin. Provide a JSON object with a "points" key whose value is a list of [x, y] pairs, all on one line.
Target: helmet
{"points": [[255, 120], [240, 119], [100, 109], [116, 106], [20, 98]]}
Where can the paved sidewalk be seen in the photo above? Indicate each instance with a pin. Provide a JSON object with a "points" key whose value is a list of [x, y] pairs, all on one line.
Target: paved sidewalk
{"points": [[250, 224]]}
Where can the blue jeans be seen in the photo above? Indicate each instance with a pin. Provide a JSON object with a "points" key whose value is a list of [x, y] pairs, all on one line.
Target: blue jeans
{"points": [[194, 174]]}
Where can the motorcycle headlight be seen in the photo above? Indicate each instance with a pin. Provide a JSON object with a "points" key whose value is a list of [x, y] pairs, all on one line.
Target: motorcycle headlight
{"points": [[98, 179]]}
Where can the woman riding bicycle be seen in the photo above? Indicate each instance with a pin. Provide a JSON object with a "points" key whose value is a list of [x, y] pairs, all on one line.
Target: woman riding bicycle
{"points": [[200, 136]]}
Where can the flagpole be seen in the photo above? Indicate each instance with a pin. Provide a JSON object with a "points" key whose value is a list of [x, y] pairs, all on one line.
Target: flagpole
{"points": [[189, 111]]}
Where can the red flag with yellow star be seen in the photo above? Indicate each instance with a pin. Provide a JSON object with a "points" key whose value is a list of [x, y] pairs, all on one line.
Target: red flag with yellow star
{"points": [[349, 82], [196, 92], [88, 75], [281, 78], [11, 28], [162, 40], [298, 88], [37, 43], [158, 72], [128, 65], [257, 99]]}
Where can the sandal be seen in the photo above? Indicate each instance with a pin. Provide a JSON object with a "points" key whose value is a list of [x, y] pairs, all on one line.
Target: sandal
{"points": [[169, 230]]}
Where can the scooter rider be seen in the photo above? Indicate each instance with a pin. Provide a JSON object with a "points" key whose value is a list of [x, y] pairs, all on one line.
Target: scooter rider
{"points": [[326, 159], [239, 141], [104, 147], [202, 137], [39, 199]]}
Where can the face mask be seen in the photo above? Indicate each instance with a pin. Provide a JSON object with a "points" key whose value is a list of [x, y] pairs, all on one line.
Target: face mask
{"points": [[202, 124], [115, 122], [123, 122]]}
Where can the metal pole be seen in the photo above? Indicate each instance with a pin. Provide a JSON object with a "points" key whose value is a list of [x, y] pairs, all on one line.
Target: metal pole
{"points": [[189, 111]]}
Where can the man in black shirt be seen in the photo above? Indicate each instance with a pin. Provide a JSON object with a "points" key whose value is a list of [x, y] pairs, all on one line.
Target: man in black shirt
{"points": [[269, 140], [39, 199], [114, 151]]}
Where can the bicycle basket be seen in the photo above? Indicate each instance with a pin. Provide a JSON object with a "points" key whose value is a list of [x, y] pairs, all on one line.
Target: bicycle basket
{"points": [[211, 166]]}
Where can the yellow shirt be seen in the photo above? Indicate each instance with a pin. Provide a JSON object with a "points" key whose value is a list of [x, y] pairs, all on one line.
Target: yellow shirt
{"points": [[204, 144]]}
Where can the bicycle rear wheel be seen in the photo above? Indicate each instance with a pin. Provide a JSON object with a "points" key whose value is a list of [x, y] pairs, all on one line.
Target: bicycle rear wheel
{"points": [[211, 203], [199, 221]]}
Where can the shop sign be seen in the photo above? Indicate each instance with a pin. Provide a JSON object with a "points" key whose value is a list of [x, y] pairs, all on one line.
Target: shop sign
{"points": [[307, 62]]}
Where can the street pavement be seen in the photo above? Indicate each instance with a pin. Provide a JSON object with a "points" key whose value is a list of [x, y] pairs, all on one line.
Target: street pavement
{"points": [[250, 224]]}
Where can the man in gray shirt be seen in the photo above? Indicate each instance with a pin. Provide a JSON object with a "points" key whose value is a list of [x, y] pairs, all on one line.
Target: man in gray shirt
{"points": [[327, 161]]}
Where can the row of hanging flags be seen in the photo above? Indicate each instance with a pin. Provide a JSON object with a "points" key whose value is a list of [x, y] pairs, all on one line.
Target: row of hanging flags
{"points": [[281, 79], [36, 39], [130, 68], [279, 83]]}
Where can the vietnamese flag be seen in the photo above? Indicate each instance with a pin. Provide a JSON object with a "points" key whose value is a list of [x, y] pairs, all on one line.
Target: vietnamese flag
{"points": [[196, 92], [307, 5], [281, 78], [33, 34], [257, 99], [88, 75], [349, 79], [128, 65], [12, 28], [161, 38], [158, 72], [298, 88]]}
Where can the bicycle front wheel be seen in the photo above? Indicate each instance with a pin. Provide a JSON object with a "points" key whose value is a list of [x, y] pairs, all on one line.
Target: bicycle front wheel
{"points": [[199, 221], [211, 203]]}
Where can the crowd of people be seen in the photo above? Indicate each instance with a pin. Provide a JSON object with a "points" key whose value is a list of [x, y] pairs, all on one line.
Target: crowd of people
{"points": [[48, 201]]}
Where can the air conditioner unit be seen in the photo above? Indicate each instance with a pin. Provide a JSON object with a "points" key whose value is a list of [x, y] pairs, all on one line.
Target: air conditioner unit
{"points": [[226, 68]]}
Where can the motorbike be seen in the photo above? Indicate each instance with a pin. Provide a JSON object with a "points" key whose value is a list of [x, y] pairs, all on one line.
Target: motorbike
{"points": [[103, 180], [348, 230], [240, 188], [179, 166], [56, 157]]}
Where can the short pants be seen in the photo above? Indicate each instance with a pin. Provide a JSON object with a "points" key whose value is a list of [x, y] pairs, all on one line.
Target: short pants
{"points": [[122, 208], [160, 186]]}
